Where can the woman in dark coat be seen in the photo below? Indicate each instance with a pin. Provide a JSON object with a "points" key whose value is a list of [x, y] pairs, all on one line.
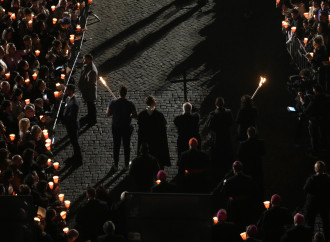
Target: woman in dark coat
{"points": [[246, 117], [152, 130]]}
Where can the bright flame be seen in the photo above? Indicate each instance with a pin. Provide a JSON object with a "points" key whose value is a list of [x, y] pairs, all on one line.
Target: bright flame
{"points": [[262, 81], [103, 81]]}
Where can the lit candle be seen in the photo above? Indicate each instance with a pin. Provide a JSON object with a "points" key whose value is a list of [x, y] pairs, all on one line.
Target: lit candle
{"points": [[158, 181], [63, 214], [12, 137], [36, 219], [243, 235], [329, 17], [215, 220], [41, 116], [71, 39], [285, 25], [55, 179], [34, 76], [66, 230], [78, 27], [293, 29], [278, 1], [54, 20], [306, 15], [78, 5], [37, 52], [48, 141], [10, 13], [56, 165], [49, 162], [13, 16], [305, 40], [186, 171], [27, 101], [30, 23], [67, 52], [62, 76], [32, 15], [53, 7], [57, 94], [329, 59], [312, 54], [48, 146], [90, 1], [7, 75], [45, 132], [266, 204], [51, 185], [61, 197], [27, 81], [58, 84], [67, 203]]}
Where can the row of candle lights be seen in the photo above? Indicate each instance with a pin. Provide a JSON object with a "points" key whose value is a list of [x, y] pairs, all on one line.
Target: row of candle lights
{"points": [[243, 235]]}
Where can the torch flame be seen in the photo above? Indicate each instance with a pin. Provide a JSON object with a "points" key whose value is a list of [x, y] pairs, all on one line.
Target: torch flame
{"points": [[262, 81], [103, 81]]}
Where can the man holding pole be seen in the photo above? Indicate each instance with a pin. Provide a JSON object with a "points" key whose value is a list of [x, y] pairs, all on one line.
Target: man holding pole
{"points": [[122, 112], [88, 87]]}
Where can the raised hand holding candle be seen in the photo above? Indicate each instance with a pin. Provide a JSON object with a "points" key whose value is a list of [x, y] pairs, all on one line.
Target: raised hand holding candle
{"points": [[266, 204]]}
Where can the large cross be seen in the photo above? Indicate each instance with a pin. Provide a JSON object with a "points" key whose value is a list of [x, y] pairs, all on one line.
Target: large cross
{"points": [[184, 80]]}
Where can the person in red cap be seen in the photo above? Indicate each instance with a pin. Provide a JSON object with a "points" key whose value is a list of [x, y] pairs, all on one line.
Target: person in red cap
{"points": [[224, 230], [163, 186], [299, 232], [193, 167], [274, 221]]}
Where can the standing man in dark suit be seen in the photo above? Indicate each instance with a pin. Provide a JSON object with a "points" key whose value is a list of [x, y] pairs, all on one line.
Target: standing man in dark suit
{"points": [[219, 124], [70, 120], [88, 87], [317, 188], [250, 153], [122, 112]]}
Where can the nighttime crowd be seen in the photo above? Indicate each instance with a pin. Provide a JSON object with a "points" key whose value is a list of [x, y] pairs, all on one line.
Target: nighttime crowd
{"points": [[36, 41]]}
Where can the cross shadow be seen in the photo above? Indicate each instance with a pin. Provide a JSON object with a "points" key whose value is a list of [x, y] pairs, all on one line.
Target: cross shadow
{"points": [[132, 49]]}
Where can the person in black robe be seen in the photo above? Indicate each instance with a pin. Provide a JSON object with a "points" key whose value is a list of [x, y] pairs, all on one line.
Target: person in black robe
{"points": [[317, 188], [274, 221], [152, 130], [246, 116], [91, 217], [188, 127], [109, 230], [250, 153], [143, 170]]}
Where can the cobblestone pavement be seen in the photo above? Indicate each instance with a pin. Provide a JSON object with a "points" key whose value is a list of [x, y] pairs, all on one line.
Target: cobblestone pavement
{"points": [[161, 34]]}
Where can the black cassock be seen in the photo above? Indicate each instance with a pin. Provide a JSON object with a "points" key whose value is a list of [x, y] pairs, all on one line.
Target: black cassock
{"points": [[152, 130]]}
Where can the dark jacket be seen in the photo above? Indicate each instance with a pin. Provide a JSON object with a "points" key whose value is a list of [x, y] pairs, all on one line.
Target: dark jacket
{"points": [[299, 233], [70, 114], [88, 82]]}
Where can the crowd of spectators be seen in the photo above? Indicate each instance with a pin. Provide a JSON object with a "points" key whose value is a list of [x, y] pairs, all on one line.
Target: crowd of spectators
{"points": [[37, 41]]}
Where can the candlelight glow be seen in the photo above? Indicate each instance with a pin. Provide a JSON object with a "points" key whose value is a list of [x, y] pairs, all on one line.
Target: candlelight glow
{"points": [[13, 16], [45, 132], [266, 204], [51, 185], [53, 8], [54, 20], [243, 235], [215, 220], [158, 181], [67, 203], [63, 214], [56, 165], [48, 146], [34, 76], [293, 29], [106, 86], [78, 27], [306, 15], [61, 197], [311, 54], [305, 40], [62, 76], [55, 179], [49, 162], [66, 230], [12, 137], [37, 52], [30, 23], [7, 75], [27, 81], [27, 101], [57, 94], [36, 219]]}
